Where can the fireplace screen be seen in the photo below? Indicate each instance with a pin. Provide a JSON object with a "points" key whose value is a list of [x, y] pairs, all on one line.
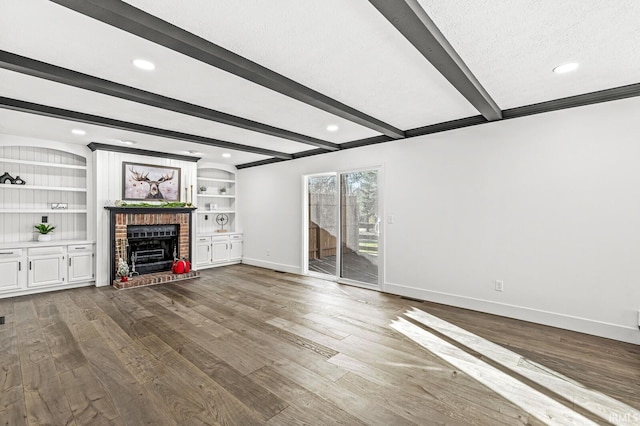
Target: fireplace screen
{"points": [[152, 247]]}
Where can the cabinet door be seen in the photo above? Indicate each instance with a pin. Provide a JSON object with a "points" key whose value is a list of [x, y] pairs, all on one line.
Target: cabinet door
{"points": [[46, 270], [235, 250], [81, 267], [220, 251], [203, 251], [13, 273]]}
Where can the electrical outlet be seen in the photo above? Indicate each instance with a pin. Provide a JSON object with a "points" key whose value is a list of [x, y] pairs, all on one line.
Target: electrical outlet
{"points": [[206, 217], [499, 285], [268, 253], [45, 219]]}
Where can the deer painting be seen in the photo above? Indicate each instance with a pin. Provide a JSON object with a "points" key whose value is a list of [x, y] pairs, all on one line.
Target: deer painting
{"points": [[134, 189]]}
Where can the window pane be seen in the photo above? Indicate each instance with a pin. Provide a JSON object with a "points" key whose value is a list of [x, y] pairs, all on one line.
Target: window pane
{"points": [[323, 224], [360, 226]]}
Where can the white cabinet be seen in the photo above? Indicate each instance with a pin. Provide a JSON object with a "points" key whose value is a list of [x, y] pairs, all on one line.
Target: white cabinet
{"points": [[47, 266], [218, 250], [203, 251], [13, 270], [80, 262], [235, 247], [39, 267]]}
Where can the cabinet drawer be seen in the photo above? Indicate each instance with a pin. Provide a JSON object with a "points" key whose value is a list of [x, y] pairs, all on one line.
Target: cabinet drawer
{"points": [[10, 253], [36, 251], [79, 248], [203, 240], [220, 238], [235, 237]]}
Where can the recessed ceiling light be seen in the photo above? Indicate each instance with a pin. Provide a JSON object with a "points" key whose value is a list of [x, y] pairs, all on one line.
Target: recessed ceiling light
{"points": [[128, 142], [561, 69], [78, 132], [193, 152], [226, 155], [332, 128], [143, 64]]}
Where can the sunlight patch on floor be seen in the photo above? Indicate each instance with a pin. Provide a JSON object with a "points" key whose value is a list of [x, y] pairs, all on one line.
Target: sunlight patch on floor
{"points": [[534, 402]]}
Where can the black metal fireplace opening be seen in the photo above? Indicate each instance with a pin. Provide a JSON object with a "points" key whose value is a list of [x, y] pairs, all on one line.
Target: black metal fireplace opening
{"points": [[151, 247]]}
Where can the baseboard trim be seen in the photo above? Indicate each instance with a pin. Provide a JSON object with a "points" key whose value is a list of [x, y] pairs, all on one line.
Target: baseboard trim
{"points": [[271, 265], [553, 319]]}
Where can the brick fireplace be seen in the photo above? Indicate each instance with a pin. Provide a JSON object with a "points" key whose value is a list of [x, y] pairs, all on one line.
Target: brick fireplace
{"points": [[132, 224]]}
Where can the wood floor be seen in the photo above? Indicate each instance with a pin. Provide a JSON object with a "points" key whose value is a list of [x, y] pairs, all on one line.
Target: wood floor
{"points": [[244, 345]]}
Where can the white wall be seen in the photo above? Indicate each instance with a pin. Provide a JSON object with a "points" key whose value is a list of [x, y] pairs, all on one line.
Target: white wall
{"points": [[549, 203], [108, 178]]}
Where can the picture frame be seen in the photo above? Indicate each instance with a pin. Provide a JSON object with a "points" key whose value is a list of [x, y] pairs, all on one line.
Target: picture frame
{"points": [[148, 182]]}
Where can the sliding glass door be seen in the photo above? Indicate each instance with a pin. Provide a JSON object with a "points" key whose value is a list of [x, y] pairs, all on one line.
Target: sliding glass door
{"points": [[322, 223], [343, 226]]}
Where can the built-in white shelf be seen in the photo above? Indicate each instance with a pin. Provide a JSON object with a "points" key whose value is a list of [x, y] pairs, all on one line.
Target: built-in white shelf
{"points": [[217, 180], [216, 196], [48, 211], [42, 164], [46, 188]]}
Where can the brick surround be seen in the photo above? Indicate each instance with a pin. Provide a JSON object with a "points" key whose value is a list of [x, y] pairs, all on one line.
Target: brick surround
{"points": [[121, 218]]}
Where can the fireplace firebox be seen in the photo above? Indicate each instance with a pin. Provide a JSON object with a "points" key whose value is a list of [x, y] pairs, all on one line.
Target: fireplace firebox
{"points": [[152, 248]]}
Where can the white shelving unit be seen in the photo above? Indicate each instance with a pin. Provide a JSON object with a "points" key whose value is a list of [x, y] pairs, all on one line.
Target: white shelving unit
{"points": [[213, 247], [51, 176], [212, 202]]}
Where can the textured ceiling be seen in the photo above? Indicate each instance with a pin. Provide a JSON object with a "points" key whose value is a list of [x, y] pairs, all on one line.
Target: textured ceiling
{"points": [[346, 50]]}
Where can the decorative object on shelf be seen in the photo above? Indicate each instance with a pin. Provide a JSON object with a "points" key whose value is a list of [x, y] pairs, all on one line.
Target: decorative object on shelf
{"points": [[222, 219], [45, 231], [203, 189], [6, 177], [163, 185], [223, 191], [213, 206], [18, 181], [59, 206], [172, 205]]}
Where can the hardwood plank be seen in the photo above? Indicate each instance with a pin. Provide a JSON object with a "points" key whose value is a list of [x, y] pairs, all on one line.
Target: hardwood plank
{"points": [[63, 346], [305, 406], [45, 400], [354, 404], [87, 398], [129, 396], [13, 411], [216, 403], [10, 374]]}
